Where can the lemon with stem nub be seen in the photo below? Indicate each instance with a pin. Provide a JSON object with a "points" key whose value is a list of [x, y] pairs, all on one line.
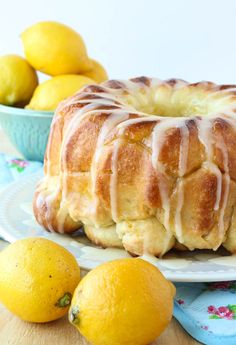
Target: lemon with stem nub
{"points": [[37, 280], [123, 302]]}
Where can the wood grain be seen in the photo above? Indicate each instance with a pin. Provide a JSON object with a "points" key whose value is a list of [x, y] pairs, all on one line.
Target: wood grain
{"points": [[13, 331]]}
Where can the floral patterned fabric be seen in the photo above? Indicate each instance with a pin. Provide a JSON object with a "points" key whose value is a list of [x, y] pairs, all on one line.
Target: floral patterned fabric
{"points": [[208, 311], [12, 168]]}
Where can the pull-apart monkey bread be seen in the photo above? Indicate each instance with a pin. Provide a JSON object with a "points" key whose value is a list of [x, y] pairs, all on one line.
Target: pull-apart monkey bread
{"points": [[143, 164]]}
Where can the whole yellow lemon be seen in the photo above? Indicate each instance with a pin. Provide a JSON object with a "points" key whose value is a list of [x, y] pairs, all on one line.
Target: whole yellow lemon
{"points": [[97, 73], [51, 92], [37, 279], [123, 302], [54, 48], [18, 80]]}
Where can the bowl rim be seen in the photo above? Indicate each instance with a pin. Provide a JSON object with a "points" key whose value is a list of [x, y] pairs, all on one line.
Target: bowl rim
{"points": [[26, 112]]}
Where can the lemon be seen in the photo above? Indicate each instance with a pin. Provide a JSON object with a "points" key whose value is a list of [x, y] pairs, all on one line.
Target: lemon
{"points": [[97, 73], [48, 94], [55, 49], [37, 279], [123, 302], [17, 80]]}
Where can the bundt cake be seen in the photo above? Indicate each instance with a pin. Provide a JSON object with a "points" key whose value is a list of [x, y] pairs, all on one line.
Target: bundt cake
{"points": [[143, 164]]}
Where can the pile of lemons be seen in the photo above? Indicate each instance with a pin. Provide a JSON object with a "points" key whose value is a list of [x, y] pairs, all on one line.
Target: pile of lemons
{"points": [[56, 50], [122, 302]]}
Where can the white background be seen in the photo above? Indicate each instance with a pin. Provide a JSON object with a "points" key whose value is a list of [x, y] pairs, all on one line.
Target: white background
{"points": [[190, 39]]}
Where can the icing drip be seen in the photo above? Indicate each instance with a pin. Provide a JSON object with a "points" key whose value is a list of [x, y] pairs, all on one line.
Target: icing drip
{"points": [[180, 202], [158, 140], [225, 260], [123, 97], [222, 146], [122, 126], [81, 114], [113, 181], [48, 201], [183, 159], [61, 218], [162, 185], [183, 150], [158, 137], [39, 203], [205, 136], [113, 120]]}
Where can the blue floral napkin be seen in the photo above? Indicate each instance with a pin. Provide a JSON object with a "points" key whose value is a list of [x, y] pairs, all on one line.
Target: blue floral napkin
{"points": [[12, 168], [207, 311]]}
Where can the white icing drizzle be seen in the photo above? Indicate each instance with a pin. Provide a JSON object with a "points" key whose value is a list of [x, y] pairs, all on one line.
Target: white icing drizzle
{"points": [[61, 217], [216, 171], [47, 198], [91, 253], [122, 126], [81, 114], [107, 99], [205, 136], [149, 258], [175, 263], [221, 144], [183, 159], [169, 261], [39, 203], [115, 116], [159, 170], [113, 180], [158, 140], [119, 118], [224, 260], [179, 206], [113, 120], [48, 201], [158, 137], [97, 101], [183, 149]]}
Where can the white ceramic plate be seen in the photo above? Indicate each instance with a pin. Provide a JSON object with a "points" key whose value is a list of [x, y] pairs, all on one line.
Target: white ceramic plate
{"points": [[17, 221]]}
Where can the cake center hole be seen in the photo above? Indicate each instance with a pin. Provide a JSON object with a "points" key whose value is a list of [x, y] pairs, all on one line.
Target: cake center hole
{"points": [[183, 102]]}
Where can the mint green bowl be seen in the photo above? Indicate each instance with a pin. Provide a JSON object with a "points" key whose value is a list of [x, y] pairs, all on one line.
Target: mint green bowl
{"points": [[28, 130]]}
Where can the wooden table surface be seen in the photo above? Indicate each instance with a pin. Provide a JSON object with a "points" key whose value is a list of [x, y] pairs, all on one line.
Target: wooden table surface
{"points": [[13, 331]]}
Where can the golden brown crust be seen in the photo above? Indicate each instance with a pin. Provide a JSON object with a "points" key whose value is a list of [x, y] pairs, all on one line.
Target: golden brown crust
{"points": [[142, 181], [50, 212]]}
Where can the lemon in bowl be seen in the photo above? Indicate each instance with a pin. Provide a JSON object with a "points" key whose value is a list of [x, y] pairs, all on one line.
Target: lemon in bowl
{"points": [[97, 73], [18, 80], [28, 128], [51, 92], [54, 48]]}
